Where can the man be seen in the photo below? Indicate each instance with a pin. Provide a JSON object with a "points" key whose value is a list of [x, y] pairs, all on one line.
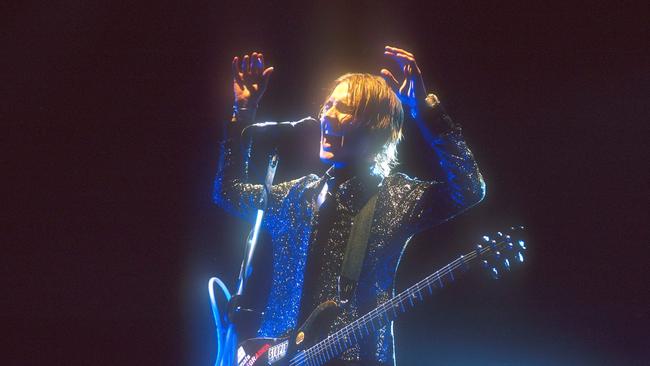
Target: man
{"points": [[309, 218]]}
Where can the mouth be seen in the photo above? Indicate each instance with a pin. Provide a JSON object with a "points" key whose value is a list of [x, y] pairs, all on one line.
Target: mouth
{"points": [[330, 142]]}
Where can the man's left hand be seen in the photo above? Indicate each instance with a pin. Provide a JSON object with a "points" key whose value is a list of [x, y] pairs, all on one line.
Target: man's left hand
{"points": [[411, 91]]}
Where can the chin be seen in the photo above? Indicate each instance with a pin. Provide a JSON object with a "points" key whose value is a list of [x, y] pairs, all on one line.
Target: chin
{"points": [[326, 157], [327, 161]]}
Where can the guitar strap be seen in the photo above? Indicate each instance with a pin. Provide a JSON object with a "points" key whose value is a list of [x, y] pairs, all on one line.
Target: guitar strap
{"points": [[355, 251]]}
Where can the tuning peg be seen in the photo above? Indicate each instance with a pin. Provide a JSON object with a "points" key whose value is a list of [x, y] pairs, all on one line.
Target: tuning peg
{"points": [[486, 238], [522, 244], [516, 228], [495, 273], [506, 264], [485, 264], [520, 257], [499, 234], [510, 246]]}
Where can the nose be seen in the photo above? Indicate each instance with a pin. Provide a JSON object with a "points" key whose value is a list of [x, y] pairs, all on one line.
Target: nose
{"points": [[327, 118], [329, 112]]}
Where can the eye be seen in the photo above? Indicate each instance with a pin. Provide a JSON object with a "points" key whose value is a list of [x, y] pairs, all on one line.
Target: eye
{"points": [[344, 108]]}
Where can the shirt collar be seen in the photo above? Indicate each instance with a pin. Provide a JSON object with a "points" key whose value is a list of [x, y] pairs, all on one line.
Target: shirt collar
{"points": [[356, 189]]}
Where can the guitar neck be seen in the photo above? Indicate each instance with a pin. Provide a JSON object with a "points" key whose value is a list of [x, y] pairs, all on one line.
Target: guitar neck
{"points": [[352, 333]]}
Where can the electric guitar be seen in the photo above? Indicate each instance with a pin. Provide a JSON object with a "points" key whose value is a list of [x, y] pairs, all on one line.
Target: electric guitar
{"points": [[306, 346]]}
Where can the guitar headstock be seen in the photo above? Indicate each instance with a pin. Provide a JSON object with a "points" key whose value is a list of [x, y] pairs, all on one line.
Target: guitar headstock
{"points": [[502, 250]]}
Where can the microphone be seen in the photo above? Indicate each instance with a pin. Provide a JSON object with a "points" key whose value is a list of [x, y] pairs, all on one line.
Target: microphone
{"points": [[266, 130], [274, 125]]}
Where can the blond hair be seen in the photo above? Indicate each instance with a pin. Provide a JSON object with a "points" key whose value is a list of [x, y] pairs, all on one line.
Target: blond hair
{"points": [[378, 113]]}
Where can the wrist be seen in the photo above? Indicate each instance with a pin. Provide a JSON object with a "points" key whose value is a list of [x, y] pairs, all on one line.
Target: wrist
{"points": [[425, 106], [245, 103], [431, 115], [244, 113]]}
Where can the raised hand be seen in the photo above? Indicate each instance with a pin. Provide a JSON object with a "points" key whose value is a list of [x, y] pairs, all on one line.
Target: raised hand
{"points": [[250, 79], [411, 90]]}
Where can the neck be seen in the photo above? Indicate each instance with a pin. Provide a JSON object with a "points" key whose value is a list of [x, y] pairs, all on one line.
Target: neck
{"points": [[362, 173], [343, 172]]}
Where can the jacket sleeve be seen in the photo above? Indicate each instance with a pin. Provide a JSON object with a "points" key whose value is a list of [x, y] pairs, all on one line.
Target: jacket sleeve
{"points": [[232, 192], [460, 184]]}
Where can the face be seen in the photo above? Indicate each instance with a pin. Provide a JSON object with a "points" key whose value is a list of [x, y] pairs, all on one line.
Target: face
{"points": [[338, 144]]}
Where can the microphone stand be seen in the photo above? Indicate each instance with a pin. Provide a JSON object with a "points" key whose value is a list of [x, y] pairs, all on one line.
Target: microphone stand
{"points": [[251, 242], [227, 339]]}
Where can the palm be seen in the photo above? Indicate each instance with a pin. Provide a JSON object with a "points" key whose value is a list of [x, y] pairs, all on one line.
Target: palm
{"points": [[245, 90]]}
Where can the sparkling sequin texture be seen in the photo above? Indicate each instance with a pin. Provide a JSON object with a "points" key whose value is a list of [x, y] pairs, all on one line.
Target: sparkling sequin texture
{"points": [[405, 206]]}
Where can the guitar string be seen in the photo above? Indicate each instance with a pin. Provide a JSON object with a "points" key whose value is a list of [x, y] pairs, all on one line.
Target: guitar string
{"points": [[383, 308], [418, 287], [328, 342], [352, 328]]}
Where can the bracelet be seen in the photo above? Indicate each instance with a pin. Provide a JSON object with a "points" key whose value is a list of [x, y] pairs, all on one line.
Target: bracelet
{"points": [[238, 111], [432, 100]]}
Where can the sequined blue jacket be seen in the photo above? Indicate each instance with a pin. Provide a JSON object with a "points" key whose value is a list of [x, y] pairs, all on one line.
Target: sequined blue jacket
{"points": [[405, 206]]}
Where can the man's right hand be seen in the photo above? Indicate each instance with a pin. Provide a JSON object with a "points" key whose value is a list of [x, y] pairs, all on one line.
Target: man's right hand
{"points": [[250, 79]]}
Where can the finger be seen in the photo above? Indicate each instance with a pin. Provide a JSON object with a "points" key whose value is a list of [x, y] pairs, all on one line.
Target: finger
{"points": [[403, 58], [235, 69], [266, 75], [255, 64], [261, 57], [246, 66], [268, 71], [260, 64], [390, 80], [399, 50], [407, 78]]}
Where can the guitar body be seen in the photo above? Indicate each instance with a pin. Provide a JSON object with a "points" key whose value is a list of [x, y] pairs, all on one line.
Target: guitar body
{"points": [[278, 351], [262, 351]]}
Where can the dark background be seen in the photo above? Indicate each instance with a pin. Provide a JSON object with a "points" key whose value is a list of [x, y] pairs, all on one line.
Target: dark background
{"points": [[111, 113]]}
